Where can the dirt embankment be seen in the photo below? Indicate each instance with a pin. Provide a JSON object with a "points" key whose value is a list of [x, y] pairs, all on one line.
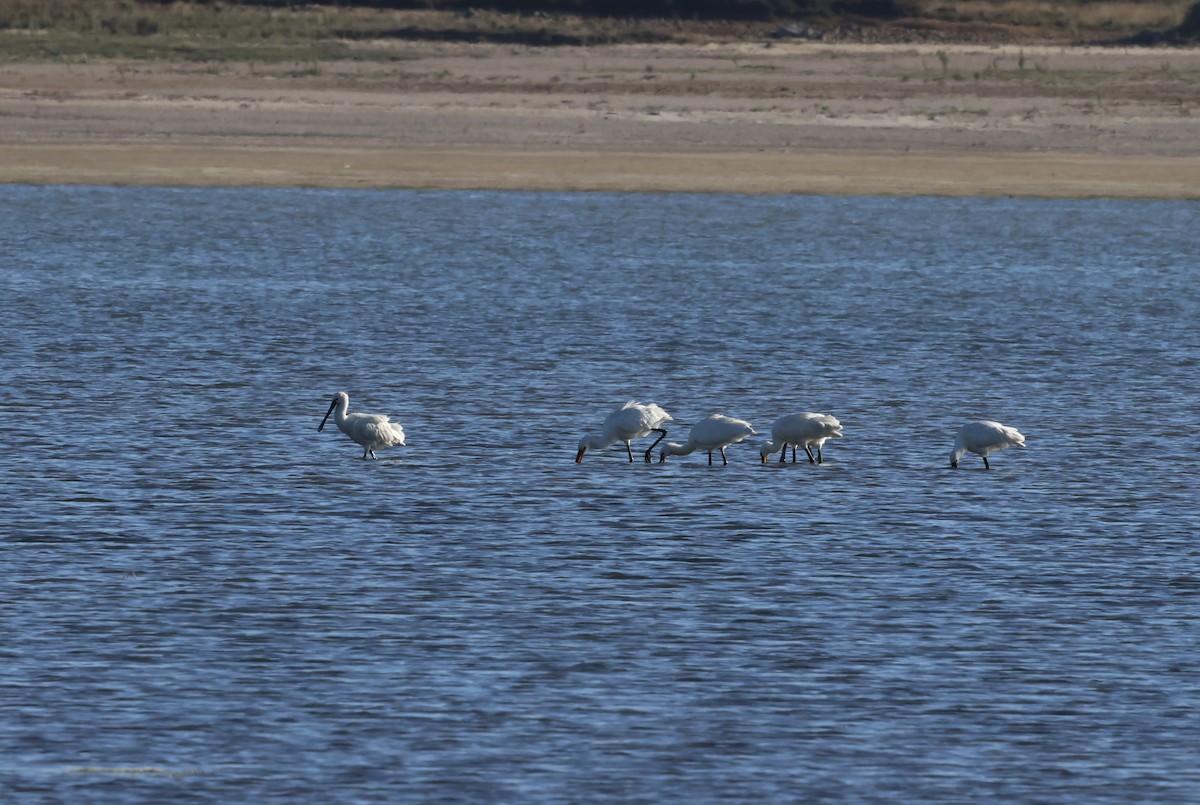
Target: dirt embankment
{"points": [[760, 117]]}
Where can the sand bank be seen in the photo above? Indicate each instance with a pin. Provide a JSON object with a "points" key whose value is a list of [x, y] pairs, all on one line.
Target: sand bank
{"points": [[746, 118]]}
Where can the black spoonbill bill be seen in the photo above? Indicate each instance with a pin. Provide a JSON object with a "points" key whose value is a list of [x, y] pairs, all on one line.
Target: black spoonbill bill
{"points": [[714, 432], [632, 420], [371, 431], [806, 430], [984, 437]]}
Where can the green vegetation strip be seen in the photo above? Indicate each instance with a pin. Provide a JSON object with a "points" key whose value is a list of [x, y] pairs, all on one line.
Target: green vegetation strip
{"points": [[291, 31]]}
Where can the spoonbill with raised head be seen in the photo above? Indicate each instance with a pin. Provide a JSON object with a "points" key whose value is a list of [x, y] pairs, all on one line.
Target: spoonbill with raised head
{"points": [[370, 431], [714, 432], [632, 420], [807, 430], [984, 437]]}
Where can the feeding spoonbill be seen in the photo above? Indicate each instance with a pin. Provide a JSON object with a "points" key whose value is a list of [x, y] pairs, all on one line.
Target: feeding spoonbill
{"points": [[371, 431], [632, 420], [984, 437], [807, 430], [714, 432]]}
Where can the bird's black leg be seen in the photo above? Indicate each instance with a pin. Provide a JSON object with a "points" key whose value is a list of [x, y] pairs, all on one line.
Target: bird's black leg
{"points": [[710, 458], [629, 450], [986, 466], [811, 460], [819, 459], [724, 461], [662, 434], [783, 454]]}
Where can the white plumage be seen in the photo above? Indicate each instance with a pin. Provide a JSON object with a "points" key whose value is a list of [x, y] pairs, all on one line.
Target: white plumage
{"points": [[371, 431], [806, 430], [714, 432], [631, 421], [984, 437]]}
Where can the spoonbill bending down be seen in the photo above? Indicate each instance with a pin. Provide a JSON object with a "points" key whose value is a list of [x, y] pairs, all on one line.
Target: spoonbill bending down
{"points": [[632, 420], [714, 432], [807, 430], [372, 431], [984, 437]]}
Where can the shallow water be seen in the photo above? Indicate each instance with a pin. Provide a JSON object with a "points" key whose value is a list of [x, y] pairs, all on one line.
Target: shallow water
{"points": [[205, 599]]}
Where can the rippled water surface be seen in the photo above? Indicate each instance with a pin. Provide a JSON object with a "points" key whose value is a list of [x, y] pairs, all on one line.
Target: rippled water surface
{"points": [[205, 599]]}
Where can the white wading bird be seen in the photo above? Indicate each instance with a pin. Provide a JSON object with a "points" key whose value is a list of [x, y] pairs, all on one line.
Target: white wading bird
{"points": [[805, 430], [984, 437], [714, 432], [371, 431], [631, 421]]}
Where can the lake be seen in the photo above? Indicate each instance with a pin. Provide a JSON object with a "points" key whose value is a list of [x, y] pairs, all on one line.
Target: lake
{"points": [[205, 599]]}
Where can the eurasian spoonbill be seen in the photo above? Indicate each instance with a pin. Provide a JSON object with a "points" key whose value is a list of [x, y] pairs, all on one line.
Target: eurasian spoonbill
{"points": [[371, 431], [632, 420], [807, 430], [714, 432], [984, 437]]}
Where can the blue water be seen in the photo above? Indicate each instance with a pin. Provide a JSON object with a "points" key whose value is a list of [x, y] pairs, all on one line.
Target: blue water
{"points": [[206, 600]]}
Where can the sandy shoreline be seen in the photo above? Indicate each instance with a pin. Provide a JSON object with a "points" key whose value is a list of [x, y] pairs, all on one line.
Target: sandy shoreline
{"points": [[744, 118], [1042, 175]]}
